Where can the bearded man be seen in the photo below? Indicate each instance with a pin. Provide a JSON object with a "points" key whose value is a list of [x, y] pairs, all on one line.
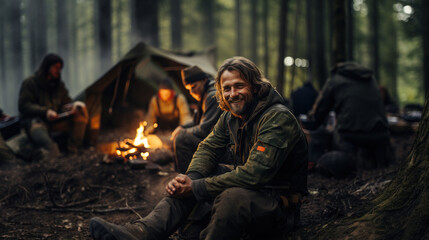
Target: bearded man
{"points": [[45, 108], [261, 196]]}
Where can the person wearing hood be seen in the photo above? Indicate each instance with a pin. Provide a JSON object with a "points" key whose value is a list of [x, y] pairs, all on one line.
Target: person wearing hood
{"points": [[361, 129], [260, 197], [187, 137], [45, 107]]}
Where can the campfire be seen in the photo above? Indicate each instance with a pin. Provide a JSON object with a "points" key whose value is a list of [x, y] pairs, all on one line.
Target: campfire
{"points": [[144, 151], [138, 148]]}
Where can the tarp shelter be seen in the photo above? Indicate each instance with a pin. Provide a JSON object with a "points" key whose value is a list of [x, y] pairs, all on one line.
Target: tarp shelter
{"points": [[134, 80]]}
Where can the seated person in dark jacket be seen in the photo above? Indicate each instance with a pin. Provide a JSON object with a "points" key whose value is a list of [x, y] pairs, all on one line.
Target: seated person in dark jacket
{"points": [[187, 137], [45, 108], [167, 109], [361, 130], [260, 197]]}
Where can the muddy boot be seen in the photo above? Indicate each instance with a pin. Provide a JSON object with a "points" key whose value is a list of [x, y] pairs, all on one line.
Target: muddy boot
{"points": [[103, 230]]}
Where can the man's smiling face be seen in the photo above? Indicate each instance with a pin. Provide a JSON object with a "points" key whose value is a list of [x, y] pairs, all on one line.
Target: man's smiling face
{"points": [[236, 92]]}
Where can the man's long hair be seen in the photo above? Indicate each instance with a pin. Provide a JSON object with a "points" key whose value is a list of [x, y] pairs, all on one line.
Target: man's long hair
{"points": [[248, 72], [47, 62]]}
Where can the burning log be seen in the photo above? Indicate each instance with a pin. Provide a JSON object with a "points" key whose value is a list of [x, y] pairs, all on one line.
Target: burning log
{"points": [[139, 148], [135, 152]]}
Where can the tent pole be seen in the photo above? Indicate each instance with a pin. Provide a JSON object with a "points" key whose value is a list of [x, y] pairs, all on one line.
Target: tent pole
{"points": [[127, 83], [115, 92]]}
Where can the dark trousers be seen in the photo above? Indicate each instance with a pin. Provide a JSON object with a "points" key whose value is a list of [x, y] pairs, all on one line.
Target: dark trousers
{"points": [[235, 212], [41, 133], [369, 153], [185, 146]]}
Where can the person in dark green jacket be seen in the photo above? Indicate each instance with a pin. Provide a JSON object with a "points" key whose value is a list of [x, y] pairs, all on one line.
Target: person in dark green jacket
{"points": [[361, 132], [187, 136], [45, 107], [260, 196]]}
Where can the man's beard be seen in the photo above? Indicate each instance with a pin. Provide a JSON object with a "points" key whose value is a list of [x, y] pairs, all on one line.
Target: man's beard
{"points": [[53, 83], [241, 112]]}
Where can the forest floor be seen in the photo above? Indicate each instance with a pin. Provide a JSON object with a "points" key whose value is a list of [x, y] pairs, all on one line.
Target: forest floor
{"points": [[55, 199]]}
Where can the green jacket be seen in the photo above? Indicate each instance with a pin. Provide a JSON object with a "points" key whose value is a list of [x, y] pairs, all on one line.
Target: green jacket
{"points": [[36, 97], [354, 96], [269, 149]]}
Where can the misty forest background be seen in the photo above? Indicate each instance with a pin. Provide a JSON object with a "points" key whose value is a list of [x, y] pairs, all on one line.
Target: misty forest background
{"points": [[292, 41]]}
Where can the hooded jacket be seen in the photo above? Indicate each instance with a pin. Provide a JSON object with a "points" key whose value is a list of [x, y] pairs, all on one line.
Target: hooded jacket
{"points": [[353, 94], [269, 150], [36, 96]]}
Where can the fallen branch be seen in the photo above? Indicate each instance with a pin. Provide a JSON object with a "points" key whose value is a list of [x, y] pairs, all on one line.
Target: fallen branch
{"points": [[55, 209], [104, 205], [132, 209], [116, 189], [8, 196], [48, 190], [27, 194], [77, 203]]}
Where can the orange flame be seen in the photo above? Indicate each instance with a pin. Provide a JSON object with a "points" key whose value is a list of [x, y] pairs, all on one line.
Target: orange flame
{"points": [[139, 140], [140, 137]]}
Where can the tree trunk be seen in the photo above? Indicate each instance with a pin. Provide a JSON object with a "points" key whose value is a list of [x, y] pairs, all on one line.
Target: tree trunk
{"points": [[375, 55], [208, 9], [176, 24], [309, 24], [104, 17], [282, 46], [14, 62], [295, 44], [238, 27], [37, 26], [265, 32], [2, 50], [254, 31], [329, 28], [146, 24], [425, 41], [72, 65], [349, 30], [339, 32], [401, 211], [63, 34], [319, 51], [388, 50], [117, 42]]}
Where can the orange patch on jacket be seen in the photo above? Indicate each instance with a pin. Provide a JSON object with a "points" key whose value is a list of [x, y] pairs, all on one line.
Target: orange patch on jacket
{"points": [[260, 148]]}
